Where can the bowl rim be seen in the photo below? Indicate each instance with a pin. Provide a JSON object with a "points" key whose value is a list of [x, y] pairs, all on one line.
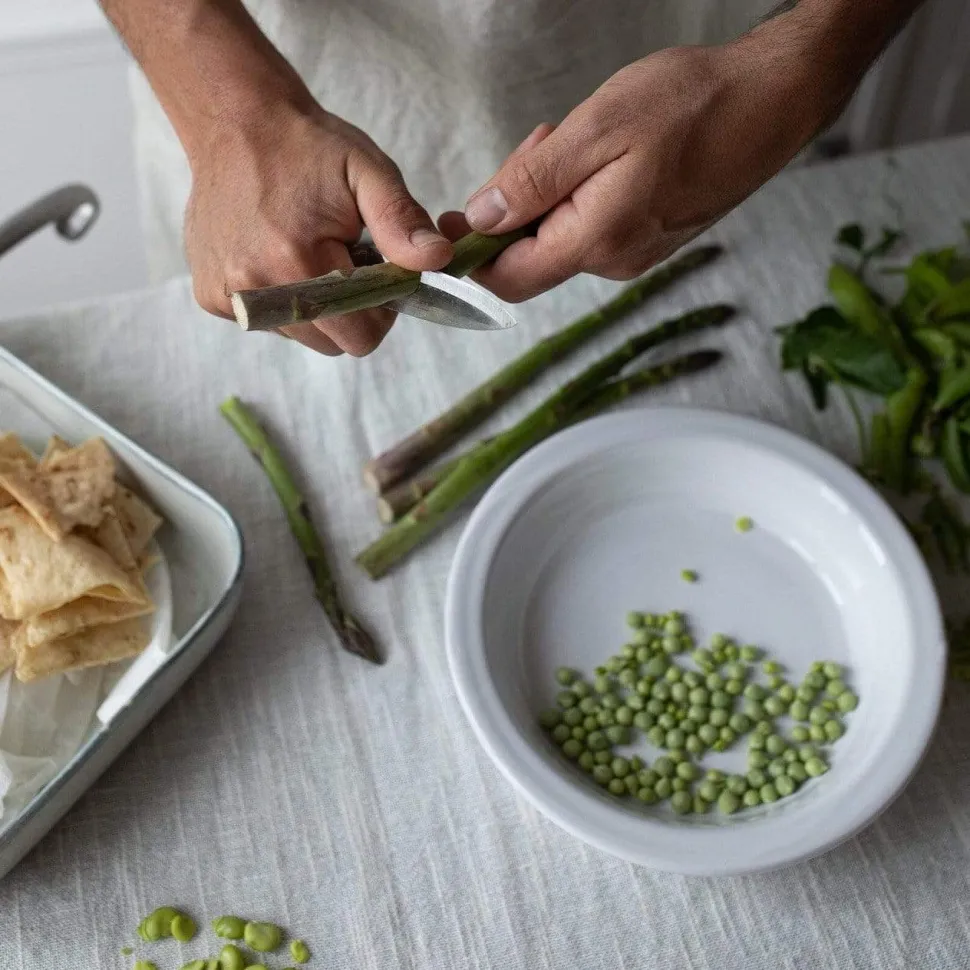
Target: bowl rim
{"points": [[554, 795]]}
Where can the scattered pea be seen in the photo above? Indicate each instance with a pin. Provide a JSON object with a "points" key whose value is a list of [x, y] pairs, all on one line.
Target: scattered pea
{"points": [[785, 785], [833, 730], [737, 785], [144, 964], [617, 787], [749, 654], [681, 802], [262, 937], [847, 701], [229, 927], [740, 723], [768, 793], [687, 771], [183, 928], [719, 717], [572, 717], [815, 767], [194, 965], [664, 788], [688, 575], [728, 803], [787, 693], [603, 757], [817, 733], [797, 772], [774, 706], [771, 667], [636, 620], [751, 798], [572, 748], [618, 734], [756, 778], [799, 710], [774, 744], [743, 524], [566, 698]]}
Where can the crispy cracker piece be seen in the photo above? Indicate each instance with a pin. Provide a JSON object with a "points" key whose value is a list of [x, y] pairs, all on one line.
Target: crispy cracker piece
{"points": [[38, 574], [92, 648], [8, 651], [110, 535], [137, 518], [13, 450], [54, 444], [80, 481]]}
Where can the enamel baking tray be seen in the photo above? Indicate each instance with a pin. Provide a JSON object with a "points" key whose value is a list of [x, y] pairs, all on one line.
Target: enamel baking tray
{"points": [[203, 549]]}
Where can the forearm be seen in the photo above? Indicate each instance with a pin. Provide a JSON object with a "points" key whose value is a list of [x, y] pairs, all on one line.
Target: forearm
{"points": [[824, 47], [208, 62]]}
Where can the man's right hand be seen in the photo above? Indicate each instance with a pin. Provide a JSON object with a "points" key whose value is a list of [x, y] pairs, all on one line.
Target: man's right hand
{"points": [[278, 200]]}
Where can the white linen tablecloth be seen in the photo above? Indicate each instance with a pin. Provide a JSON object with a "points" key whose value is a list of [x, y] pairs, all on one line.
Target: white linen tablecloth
{"points": [[291, 781]]}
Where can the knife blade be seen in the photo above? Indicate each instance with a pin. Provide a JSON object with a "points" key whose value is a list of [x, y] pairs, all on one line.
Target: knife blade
{"points": [[436, 297]]}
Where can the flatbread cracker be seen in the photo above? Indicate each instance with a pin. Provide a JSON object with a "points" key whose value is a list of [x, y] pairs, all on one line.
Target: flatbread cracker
{"points": [[13, 450], [80, 481], [54, 444], [8, 652], [93, 648], [138, 520], [38, 575], [110, 535]]}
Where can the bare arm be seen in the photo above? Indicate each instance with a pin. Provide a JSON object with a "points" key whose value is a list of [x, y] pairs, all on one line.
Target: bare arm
{"points": [[673, 142], [279, 185]]}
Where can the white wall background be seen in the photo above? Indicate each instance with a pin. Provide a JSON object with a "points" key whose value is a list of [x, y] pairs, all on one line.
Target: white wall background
{"points": [[64, 117]]}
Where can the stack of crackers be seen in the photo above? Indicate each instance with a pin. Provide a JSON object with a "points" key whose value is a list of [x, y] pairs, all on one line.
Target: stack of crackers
{"points": [[73, 553]]}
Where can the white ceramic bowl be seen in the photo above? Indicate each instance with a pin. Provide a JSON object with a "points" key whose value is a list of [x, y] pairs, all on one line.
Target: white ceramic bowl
{"points": [[600, 520]]}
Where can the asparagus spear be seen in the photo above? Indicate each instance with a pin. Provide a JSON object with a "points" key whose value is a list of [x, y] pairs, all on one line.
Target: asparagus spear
{"points": [[484, 463], [353, 637], [271, 307], [435, 437], [399, 500]]}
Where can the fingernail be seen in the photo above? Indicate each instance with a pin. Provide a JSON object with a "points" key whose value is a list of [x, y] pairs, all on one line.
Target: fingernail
{"points": [[425, 237], [487, 209]]}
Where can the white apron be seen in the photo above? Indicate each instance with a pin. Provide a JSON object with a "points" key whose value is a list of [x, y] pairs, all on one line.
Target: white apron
{"points": [[446, 87]]}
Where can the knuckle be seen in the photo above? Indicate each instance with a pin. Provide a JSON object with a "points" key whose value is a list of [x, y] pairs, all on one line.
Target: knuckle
{"points": [[398, 208]]}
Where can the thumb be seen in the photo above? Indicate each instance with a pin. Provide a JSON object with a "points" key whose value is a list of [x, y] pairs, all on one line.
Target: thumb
{"points": [[538, 175], [402, 231]]}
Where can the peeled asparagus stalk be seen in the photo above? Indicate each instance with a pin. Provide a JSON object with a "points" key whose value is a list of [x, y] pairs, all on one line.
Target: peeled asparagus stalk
{"points": [[432, 439], [486, 462]]}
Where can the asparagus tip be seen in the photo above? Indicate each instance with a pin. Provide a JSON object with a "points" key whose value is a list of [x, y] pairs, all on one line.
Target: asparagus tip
{"points": [[357, 641]]}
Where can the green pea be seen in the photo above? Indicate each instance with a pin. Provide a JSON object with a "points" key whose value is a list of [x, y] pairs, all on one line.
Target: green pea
{"points": [[754, 692], [708, 733], [728, 736], [740, 723], [678, 784], [229, 927], [699, 696], [735, 671], [756, 742], [656, 736], [572, 717], [641, 639], [636, 763], [728, 803], [256, 966], [816, 679], [680, 693], [847, 701], [815, 767], [785, 785], [829, 705], [643, 720], [664, 767], [755, 710], [774, 744], [751, 798], [764, 728], [635, 702], [602, 774], [620, 767], [692, 679], [817, 733], [799, 710], [799, 734], [549, 719], [681, 802], [831, 670], [664, 788], [667, 721], [806, 693], [702, 658], [618, 734], [701, 805], [581, 689], [777, 768], [603, 757], [628, 677], [677, 755], [756, 778], [647, 777], [617, 787], [719, 641], [698, 714], [687, 771], [590, 723], [635, 619], [790, 755], [602, 684], [610, 702], [624, 715], [743, 524], [673, 674], [694, 744], [194, 965], [674, 627], [750, 653], [628, 651], [737, 784], [797, 772], [734, 687], [833, 730], [661, 691], [687, 642], [768, 793], [774, 706], [566, 698], [719, 717], [145, 965], [758, 759], [721, 699], [572, 748], [671, 644], [675, 738], [643, 654], [595, 741], [771, 667], [183, 928], [614, 665], [719, 657], [835, 688], [787, 693], [708, 791], [806, 752], [589, 705], [688, 575], [818, 715], [631, 784], [776, 681], [586, 761], [714, 682], [655, 706], [647, 795], [731, 652]]}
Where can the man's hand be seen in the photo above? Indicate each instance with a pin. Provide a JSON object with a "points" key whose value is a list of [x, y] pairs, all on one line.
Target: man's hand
{"points": [[669, 145], [279, 186], [279, 201]]}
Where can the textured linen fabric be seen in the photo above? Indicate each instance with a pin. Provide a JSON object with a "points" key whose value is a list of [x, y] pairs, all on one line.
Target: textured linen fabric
{"points": [[350, 803], [447, 88]]}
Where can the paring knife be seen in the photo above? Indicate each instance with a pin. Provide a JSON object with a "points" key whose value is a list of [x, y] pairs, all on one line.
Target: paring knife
{"points": [[436, 297]]}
